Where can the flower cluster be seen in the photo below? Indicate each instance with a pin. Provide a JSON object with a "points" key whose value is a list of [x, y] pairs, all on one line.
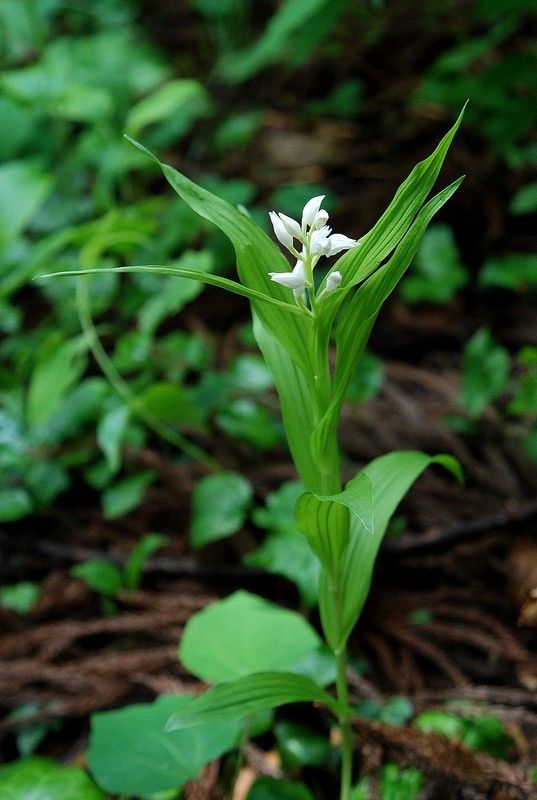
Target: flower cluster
{"points": [[316, 240]]}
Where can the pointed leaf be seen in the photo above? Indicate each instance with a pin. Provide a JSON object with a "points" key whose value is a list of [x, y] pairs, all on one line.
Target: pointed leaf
{"points": [[248, 695], [391, 476]]}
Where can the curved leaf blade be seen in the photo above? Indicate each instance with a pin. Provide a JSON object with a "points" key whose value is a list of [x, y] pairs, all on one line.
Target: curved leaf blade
{"points": [[248, 695]]}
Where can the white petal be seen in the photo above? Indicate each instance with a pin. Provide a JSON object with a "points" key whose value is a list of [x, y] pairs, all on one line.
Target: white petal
{"points": [[321, 218], [288, 279], [333, 281], [291, 225], [311, 208], [282, 234], [338, 243], [320, 243]]}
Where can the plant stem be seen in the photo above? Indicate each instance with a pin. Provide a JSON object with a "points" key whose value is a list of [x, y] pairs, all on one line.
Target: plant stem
{"points": [[344, 725]]}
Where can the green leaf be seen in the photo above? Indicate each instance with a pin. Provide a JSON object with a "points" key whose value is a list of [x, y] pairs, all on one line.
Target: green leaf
{"points": [[126, 494], [438, 273], [131, 754], [38, 778], [184, 98], [325, 520], [143, 550], [110, 432], [247, 420], [278, 514], [23, 188], [219, 506], [300, 746], [525, 200], [244, 634], [390, 476], [55, 373], [169, 403], [248, 695], [400, 784], [484, 732], [516, 271], [288, 553], [19, 597], [101, 576], [485, 372], [15, 503], [267, 788]]}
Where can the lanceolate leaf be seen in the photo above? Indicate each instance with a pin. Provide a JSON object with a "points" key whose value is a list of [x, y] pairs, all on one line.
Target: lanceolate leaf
{"points": [[256, 256], [391, 476], [359, 315], [250, 694]]}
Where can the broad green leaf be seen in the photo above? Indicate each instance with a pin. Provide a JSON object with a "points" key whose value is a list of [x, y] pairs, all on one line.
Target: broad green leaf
{"points": [[244, 634], [288, 553], [143, 550], [244, 696], [267, 788], [219, 506], [485, 372], [126, 494], [131, 754], [391, 476], [20, 597], [37, 778]]}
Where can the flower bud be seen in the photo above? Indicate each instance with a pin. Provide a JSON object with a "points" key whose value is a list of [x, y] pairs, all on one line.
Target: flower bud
{"points": [[321, 218], [311, 209], [282, 234]]}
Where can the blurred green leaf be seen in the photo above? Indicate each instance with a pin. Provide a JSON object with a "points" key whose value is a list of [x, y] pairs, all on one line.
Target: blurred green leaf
{"points": [[126, 494], [400, 784], [438, 273], [278, 789], [56, 371], [278, 514], [184, 99], [171, 404], [143, 550], [286, 552], [24, 185], [37, 778], [525, 200], [219, 506], [245, 419], [19, 597], [517, 271], [367, 379], [483, 732], [300, 746], [110, 432], [485, 372], [15, 503], [99, 575]]}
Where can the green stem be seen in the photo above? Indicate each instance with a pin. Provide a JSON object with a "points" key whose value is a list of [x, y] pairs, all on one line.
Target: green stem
{"points": [[344, 725]]}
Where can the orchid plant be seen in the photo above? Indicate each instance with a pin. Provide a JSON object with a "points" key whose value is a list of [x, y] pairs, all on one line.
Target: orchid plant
{"points": [[312, 342]]}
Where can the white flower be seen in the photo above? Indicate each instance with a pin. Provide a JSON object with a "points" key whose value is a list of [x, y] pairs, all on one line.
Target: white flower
{"points": [[321, 218], [291, 280], [282, 234], [333, 281], [320, 243], [291, 225], [338, 243], [311, 209]]}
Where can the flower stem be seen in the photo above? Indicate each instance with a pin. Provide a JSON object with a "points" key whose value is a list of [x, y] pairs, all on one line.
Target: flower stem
{"points": [[344, 725]]}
